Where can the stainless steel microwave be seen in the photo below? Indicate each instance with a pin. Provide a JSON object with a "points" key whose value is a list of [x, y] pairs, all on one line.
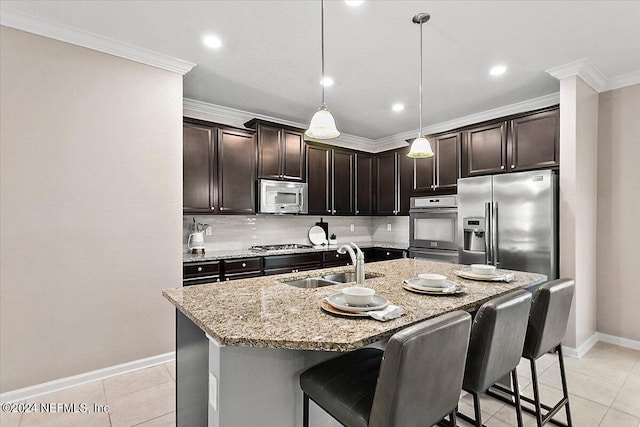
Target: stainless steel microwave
{"points": [[282, 197]]}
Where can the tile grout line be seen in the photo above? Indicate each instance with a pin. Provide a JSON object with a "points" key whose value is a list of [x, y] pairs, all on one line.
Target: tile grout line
{"points": [[151, 419]]}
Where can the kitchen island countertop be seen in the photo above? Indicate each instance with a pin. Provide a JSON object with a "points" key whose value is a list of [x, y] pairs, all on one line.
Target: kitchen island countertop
{"points": [[264, 312]]}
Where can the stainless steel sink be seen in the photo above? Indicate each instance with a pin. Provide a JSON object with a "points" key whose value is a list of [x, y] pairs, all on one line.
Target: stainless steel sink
{"points": [[347, 277], [310, 282]]}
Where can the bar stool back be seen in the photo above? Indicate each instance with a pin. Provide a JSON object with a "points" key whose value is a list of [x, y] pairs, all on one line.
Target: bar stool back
{"points": [[495, 347], [417, 382]]}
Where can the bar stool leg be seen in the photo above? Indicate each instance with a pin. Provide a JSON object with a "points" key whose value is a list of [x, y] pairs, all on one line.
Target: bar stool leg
{"points": [[476, 408], [565, 390], [536, 392], [516, 392], [452, 418], [305, 410]]}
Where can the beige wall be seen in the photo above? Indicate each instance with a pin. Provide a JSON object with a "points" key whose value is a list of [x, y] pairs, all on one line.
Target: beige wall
{"points": [[91, 217], [618, 310], [578, 198]]}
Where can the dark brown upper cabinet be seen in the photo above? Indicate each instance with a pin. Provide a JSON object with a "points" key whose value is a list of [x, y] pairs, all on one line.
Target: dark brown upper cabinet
{"points": [[394, 182], [443, 178], [219, 166], [330, 175], [523, 142], [236, 171], [280, 151], [365, 168], [534, 141], [486, 149], [198, 167]]}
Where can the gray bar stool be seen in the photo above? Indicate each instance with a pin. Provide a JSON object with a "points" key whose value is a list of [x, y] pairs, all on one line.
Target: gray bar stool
{"points": [[547, 327], [415, 382], [495, 347]]}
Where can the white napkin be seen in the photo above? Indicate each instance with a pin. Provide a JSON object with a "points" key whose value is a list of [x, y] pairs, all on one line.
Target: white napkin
{"points": [[388, 313]]}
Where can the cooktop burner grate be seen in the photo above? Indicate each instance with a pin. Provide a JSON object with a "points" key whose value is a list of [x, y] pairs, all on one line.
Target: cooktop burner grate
{"points": [[280, 247]]}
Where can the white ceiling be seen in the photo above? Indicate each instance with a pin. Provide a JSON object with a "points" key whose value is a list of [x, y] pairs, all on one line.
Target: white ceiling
{"points": [[270, 60]]}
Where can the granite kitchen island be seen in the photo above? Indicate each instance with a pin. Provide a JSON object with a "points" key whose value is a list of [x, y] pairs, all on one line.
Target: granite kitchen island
{"points": [[242, 344]]}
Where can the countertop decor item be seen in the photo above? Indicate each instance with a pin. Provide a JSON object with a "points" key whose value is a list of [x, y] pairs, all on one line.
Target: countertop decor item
{"points": [[322, 125], [420, 147], [324, 226], [333, 240], [317, 236]]}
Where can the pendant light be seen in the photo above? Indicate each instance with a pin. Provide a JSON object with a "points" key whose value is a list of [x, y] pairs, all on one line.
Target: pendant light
{"points": [[420, 147], [322, 125]]}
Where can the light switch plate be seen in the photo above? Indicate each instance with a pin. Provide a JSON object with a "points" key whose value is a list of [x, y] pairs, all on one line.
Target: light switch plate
{"points": [[352, 227], [208, 232], [388, 227]]}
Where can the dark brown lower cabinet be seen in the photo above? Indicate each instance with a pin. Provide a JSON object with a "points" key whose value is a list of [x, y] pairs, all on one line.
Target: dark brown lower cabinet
{"points": [[280, 264], [334, 259]]}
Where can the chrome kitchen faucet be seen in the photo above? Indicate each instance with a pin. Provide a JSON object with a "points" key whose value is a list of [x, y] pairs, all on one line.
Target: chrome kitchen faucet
{"points": [[357, 258]]}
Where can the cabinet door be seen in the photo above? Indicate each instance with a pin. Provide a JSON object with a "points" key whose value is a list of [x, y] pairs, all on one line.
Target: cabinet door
{"points": [[386, 184], [364, 184], [269, 153], [236, 171], [534, 141], [405, 181], [318, 176], [423, 175], [486, 149], [292, 155], [447, 165], [197, 174], [342, 182]]}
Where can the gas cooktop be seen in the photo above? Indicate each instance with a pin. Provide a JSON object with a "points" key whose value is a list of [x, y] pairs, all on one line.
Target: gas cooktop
{"points": [[280, 247]]}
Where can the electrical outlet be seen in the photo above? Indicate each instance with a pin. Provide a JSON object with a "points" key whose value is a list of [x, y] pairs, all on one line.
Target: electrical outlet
{"points": [[208, 232], [388, 227], [352, 227], [213, 391]]}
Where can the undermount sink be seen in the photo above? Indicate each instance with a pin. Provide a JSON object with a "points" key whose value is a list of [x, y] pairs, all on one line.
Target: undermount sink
{"points": [[310, 282], [346, 277]]}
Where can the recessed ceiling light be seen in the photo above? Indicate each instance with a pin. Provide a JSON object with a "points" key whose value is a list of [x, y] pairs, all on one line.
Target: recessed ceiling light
{"points": [[497, 70], [212, 42], [397, 107], [327, 81], [354, 3]]}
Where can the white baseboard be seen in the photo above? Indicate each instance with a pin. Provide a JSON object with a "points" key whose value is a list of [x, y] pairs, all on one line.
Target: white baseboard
{"points": [[593, 339], [622, 342], [68, 382]]}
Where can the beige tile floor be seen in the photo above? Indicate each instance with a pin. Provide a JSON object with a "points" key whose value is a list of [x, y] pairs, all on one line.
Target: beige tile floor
{"points": [[604, 389]]}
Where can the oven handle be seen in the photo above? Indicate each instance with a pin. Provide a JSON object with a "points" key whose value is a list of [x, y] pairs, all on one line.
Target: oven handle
{"points": [[487, 233], [433, 210]]}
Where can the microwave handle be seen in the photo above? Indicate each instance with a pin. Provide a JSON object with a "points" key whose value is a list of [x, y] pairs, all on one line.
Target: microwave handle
{"points": [[300, 199]]}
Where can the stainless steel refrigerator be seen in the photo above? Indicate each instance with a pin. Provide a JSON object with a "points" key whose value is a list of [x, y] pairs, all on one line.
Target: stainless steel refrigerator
{"points": [[510, 221]]}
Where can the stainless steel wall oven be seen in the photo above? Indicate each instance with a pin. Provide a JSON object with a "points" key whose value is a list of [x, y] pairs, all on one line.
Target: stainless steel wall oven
{"points": [[433, 228]]}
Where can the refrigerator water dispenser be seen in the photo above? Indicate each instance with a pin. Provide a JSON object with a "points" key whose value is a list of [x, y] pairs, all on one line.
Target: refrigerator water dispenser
{"points": [[474, 234]]}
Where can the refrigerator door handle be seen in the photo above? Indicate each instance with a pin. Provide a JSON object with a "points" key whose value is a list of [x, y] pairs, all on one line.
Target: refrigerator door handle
{"points": [[494, 234], [487, 234]]}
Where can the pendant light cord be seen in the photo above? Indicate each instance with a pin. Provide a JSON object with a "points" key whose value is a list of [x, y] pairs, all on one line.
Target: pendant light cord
{"points": [[420, 129], [322, 48]]}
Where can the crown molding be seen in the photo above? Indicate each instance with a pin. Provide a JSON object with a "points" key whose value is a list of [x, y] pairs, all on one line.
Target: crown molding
{"points": [[593, 77], [518, 107], [623, 81], [221, 113], [43, 27]]}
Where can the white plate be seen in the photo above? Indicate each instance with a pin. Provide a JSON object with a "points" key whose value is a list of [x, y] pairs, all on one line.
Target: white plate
{"points": [[453, 290], [338, 301], [495, 277], [324, 305], [317, 235]]}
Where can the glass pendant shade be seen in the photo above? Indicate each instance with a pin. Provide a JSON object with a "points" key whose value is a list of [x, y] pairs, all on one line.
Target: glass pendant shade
{"points": [[420, 149], [322, 125]]}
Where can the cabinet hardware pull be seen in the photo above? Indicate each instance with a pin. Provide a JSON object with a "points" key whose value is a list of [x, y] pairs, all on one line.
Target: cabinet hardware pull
{"points": [[337, 256], [199, 268], [513, 166], [244, 264], [388, 253], [502, 167]]}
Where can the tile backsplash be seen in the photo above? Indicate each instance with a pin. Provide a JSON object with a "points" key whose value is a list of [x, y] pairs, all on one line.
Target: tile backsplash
{"points": [[236, 232]]}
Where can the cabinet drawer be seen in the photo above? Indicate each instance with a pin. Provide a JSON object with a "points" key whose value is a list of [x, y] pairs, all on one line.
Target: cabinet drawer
{"points": [[243, 265], [200, 280], [196, 269], [382, 254], [285, 270], [237, 276], [293, 260], [334, 259]]}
